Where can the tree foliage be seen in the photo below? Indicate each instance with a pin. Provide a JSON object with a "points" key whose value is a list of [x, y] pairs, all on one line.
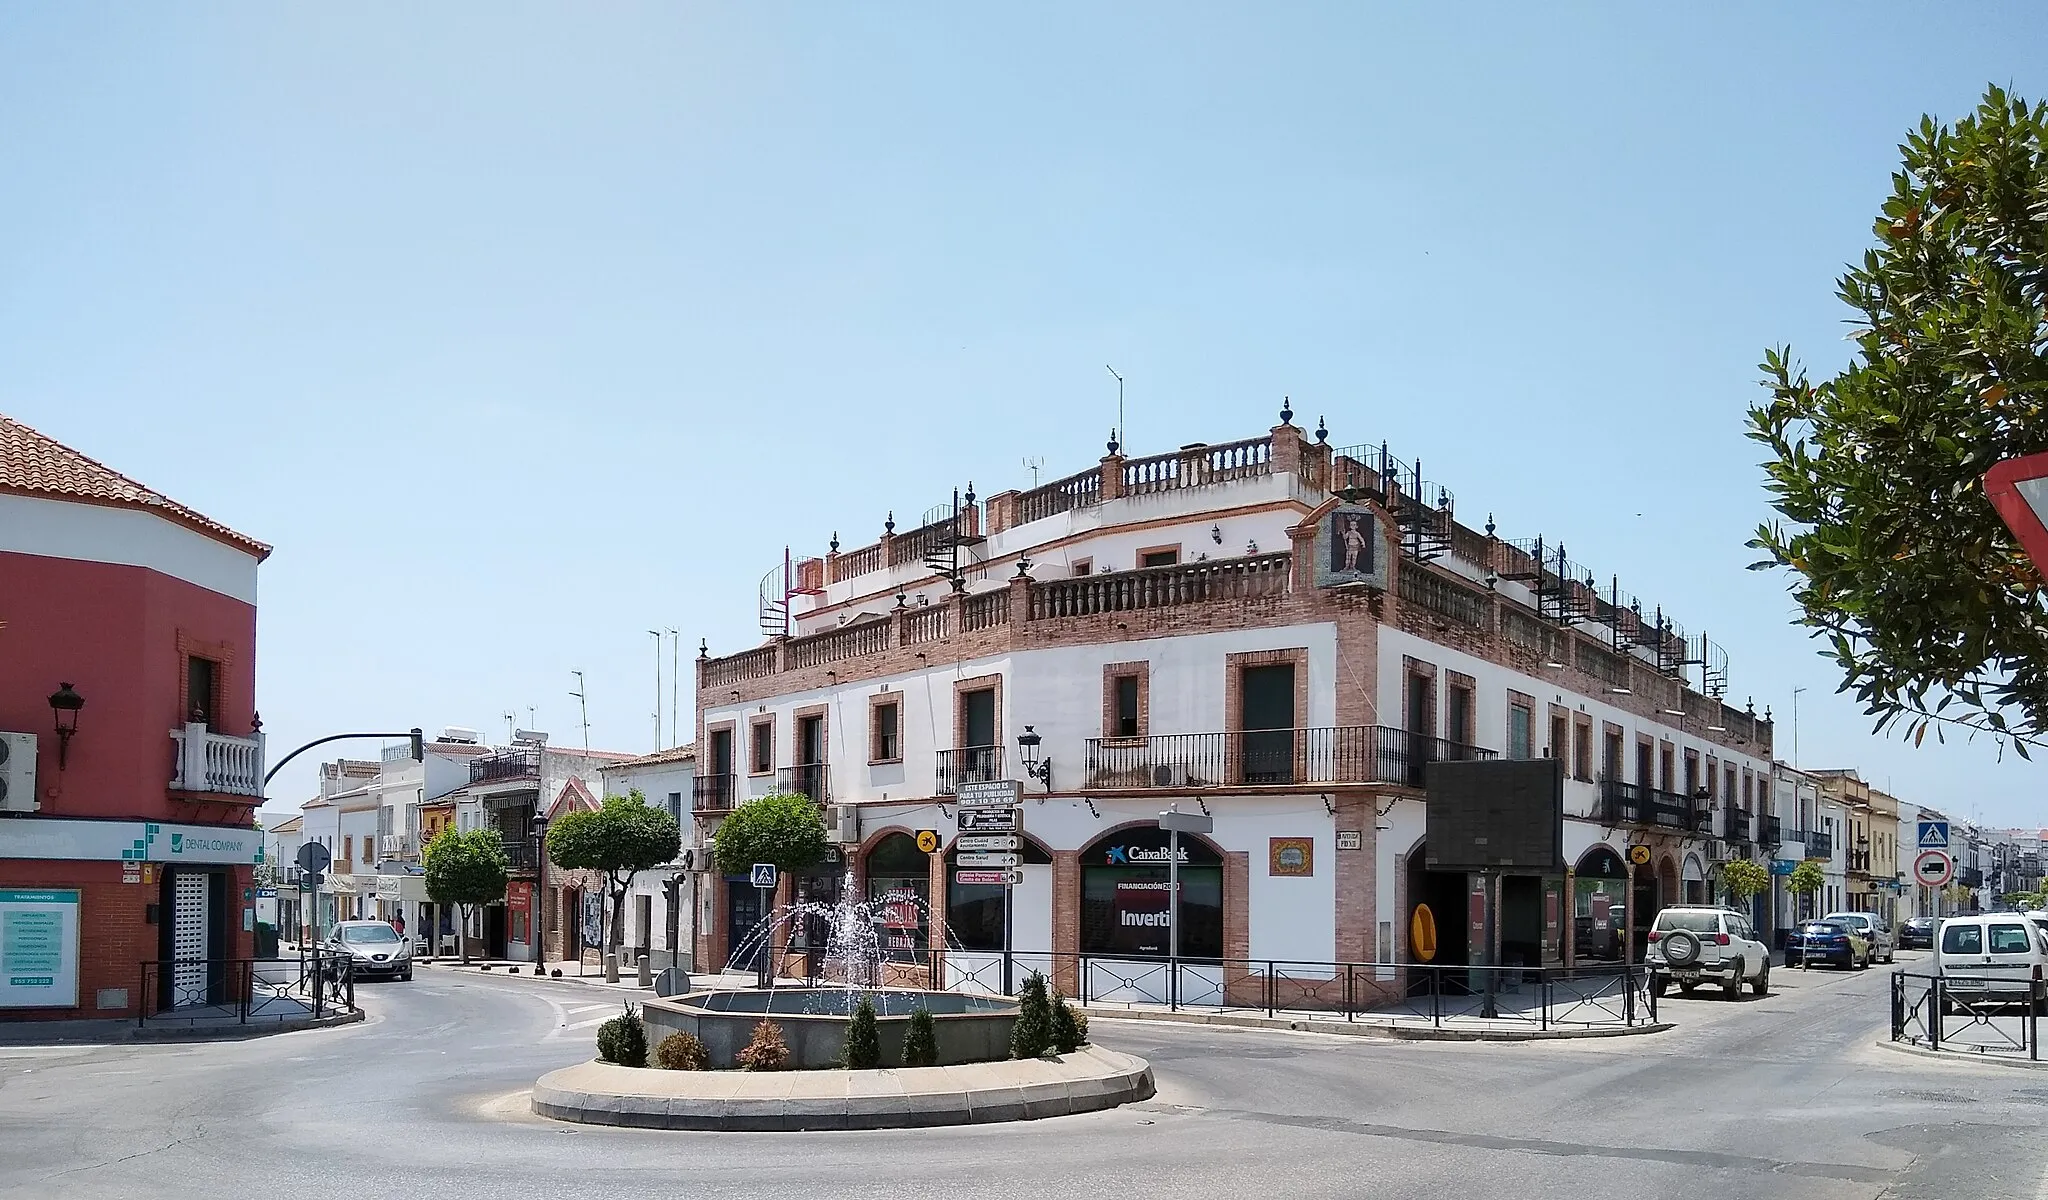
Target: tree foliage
{"points": [[1926, 602], [768, 1050], [921, 1039], [1806, 879], [465, 870], [1031, 1036], [1744, 878], [785, 829], [619, 839], [863, 1050]]}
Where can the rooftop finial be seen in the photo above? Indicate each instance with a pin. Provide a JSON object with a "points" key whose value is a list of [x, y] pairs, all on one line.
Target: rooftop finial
{"points": [[703, 647], [889, 526], [835, 541], [1489, 524], [1112, 443], [1286, 410], [1322, 430]]}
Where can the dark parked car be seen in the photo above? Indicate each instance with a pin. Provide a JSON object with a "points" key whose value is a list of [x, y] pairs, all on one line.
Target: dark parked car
{"points": [[1830, 942], [1917, 934]]}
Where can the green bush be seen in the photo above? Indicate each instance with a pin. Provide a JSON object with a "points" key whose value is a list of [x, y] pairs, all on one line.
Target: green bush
{"points": [[623, 1040], [767, 1051], [863, 1050], [1066, 1026], [921, 1040], [1032, 1036], [682, 1052]]}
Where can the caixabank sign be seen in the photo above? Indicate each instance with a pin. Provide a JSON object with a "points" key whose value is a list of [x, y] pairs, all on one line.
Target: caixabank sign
{"points": [[129, 841]]}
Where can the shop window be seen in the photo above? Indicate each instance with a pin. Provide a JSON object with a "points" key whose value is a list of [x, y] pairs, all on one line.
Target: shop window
{"points": [[974, 911], [899, 890], [1124, 898]]}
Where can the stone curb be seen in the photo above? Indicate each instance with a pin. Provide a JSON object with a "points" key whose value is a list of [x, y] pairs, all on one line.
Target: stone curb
{"points": [[1088, 1080], [1371, 1029], [233, 1033], [1963, 1058]]}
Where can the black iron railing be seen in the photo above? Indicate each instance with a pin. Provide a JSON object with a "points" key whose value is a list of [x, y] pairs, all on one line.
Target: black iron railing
{"points": [[504, 764], [1859, 860], [969, 764], [1970, 876], [1818, 844], [1970, 1014], [714, 793], [519, 852], [1340, 754], [806, 779], [1770, 832], [1633, 804], [220, 991]]}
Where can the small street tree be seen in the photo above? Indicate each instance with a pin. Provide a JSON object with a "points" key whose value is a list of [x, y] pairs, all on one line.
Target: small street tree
{"points": [[1925, 600], [785, 829], [619, 839], [1805, 880], [1745, 879], [465, 870]]}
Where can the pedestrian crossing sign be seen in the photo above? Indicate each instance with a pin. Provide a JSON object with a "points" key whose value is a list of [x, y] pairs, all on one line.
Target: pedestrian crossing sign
{"points": [[1934, 835]]}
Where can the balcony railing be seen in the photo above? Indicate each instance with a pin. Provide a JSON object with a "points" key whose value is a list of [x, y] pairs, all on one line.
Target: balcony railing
{"points": [[714, 793], [1970, 876], [1253, 577], [969, 764], [1859, 860], [806, 779], [1632, 804], [1736, 829], [505, 764], [1770, 832], [214, 762], [519, 852], [1345, 754]]}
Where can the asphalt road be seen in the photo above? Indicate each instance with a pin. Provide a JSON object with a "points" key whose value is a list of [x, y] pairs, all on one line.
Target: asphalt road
{"points": [[1784, 1096]]}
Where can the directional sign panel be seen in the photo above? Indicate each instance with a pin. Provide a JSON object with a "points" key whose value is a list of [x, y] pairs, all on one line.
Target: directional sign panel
{"points": [[995, 793], [1933, 868], [990, 820], [989, 841], [991, 860], [997, 878], [1934, 835]]}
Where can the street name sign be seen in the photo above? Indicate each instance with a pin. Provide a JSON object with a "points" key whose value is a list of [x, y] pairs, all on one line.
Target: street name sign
{"points": [[997, 878], [1933, 868], [988, 841], [994, 793], [1934, 835], [990, 820], [991, 860]]}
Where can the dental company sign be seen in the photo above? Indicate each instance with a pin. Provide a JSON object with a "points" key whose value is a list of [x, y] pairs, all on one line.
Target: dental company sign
{"points": [[130, 841]]}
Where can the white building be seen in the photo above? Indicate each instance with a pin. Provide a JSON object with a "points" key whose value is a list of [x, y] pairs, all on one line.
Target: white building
{"points": [[1276, 632], [661, 904]]}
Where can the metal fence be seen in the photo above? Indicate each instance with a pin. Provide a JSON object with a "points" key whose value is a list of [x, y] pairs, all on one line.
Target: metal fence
{"points": [[1970, 1014], [1536, 998], [239, 991]]}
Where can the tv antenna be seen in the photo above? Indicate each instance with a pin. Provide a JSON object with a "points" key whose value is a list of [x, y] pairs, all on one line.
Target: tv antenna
{"points": [[1123, 435], [1033, 464], [511, 724], [582, 708]]}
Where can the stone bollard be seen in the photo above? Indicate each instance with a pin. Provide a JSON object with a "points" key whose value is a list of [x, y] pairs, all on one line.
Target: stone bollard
{"points": [[646, 972], [611, 966]]}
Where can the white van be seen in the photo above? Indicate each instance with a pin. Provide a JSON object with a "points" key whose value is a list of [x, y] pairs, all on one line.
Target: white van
{"points": [[1987, 953]]}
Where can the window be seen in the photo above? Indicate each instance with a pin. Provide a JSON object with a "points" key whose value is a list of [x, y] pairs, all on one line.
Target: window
{"points": [[1748, 790], [1611, 760], [1664, 767], [675, 805], [1962, 939], [1458, 714], [202, 681], [348, 848], [1645, 768], [1728, 781], [1126, 715], [369, 850], [1124, 896], [1582, 750], [2010, 939], [1084, 566], [1520, 720], [762, 759], [885, 738], [974, 911], [1692, 772], [899, 889], [1159, 556]]}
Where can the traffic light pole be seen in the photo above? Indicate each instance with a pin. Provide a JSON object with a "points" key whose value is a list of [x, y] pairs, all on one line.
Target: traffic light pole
{"points": [[419, 752]]}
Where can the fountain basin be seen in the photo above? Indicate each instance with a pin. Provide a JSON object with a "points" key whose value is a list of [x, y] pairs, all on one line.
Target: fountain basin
{"points": [[813, 1020]]}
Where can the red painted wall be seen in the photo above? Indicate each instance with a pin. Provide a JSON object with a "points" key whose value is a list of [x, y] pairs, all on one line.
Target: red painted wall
{"points": [[113, 633]]}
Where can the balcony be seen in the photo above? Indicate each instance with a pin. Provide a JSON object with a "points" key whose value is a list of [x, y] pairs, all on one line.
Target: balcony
{"points": [[1266, 757], [1736, 830], [969, 764], [1970, 876], [1633, 804], [1770, 832], [1859, 861], [806, 779], [214, 762], [397, 845], [519, 853], [505, 764], [1818, 845], [714, 793]]}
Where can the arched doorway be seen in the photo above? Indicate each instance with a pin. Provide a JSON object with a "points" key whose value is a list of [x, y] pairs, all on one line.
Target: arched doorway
{"points": [[899, 891], [1694, 880], [1599, 904], [1445, 893], [1124, 898]]}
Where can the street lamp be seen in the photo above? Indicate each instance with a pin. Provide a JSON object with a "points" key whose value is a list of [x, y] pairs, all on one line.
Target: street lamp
{"points": [[64, 706], [1027, 752], [540, 889]]}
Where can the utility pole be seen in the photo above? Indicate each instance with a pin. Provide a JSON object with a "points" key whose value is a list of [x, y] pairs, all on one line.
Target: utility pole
{"points": [[582, 708], [675, 686], [656, 635], [1123, 435]]}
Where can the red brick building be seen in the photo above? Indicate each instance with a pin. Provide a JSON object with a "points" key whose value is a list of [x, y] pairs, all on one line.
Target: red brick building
{"points": [[134, 754]]}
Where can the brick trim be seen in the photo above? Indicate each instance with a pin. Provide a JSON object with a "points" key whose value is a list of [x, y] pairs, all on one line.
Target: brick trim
{"points": [[876, 702], [1233, 703], [1138, 555], [1413, 668], [754, 725], [796, 719], [738, 750], [1111, 672], [222, 656], [1613, 737], [978, 683]]}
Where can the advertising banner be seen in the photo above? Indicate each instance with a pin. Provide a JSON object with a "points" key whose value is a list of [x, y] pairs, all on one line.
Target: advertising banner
{"points": [[38, 948]]}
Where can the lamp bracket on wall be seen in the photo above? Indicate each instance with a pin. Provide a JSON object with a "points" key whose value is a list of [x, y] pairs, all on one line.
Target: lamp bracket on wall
{"points": [[1329, 805], [1092, 810]]}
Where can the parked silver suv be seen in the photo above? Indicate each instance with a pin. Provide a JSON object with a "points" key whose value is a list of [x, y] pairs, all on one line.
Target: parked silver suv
{"points": [[1689, 946]]}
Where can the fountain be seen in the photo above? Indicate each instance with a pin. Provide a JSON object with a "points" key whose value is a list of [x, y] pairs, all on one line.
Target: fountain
{"points": [[813, 1016]]}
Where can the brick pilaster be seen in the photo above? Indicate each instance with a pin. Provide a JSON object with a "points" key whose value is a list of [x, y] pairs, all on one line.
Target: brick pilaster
{"points": [[1356, 882], [1000, 511], [1066, 920], [1112, 476]]}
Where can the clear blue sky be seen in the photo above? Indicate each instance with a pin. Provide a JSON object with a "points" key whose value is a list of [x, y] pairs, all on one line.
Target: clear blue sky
{"points": [[521, 329]]}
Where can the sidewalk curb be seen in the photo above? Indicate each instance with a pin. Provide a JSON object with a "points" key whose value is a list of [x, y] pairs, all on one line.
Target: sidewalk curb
{"points": [[124, 1031], [1370, 1029], [1960, 1057]]}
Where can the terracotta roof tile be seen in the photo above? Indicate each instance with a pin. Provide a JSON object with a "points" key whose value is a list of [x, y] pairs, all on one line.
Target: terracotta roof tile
{"points": [[35, 464], [674, 754]]}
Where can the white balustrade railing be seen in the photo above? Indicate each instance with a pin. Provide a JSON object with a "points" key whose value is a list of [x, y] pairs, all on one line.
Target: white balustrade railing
{"points": [[215, 762]]}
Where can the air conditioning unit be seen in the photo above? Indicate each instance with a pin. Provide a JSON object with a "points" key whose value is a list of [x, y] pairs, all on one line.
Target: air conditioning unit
{"points": [[1170, 775], [18, 772], [846, 825]]}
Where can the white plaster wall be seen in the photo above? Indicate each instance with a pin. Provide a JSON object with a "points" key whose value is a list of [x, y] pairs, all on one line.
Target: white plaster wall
{"points": [[126, 537]]}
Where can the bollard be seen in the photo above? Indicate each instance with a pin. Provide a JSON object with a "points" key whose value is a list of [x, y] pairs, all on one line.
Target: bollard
{"points": [[646, 973], [611, 966]]}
